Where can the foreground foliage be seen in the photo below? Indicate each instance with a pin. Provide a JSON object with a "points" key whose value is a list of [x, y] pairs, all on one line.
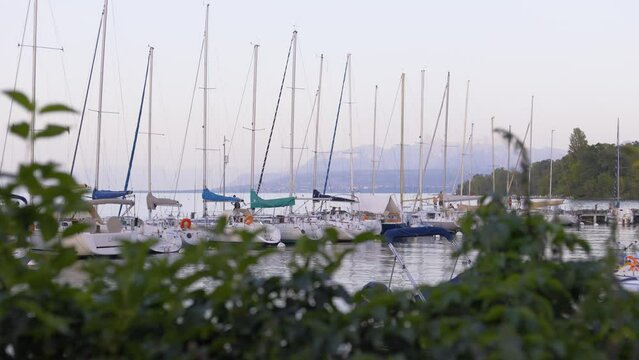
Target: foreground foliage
{"points": [[519, 299]]}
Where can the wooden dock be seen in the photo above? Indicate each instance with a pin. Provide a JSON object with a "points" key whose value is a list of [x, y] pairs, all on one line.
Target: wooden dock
{"points": [[601, 217]]}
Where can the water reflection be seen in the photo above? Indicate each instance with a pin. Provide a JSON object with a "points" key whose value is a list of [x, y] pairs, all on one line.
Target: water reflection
{"points": [[428, 259]]}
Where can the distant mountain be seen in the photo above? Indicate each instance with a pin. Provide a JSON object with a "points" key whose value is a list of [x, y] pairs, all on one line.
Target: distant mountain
{"points": [[387, 175]]}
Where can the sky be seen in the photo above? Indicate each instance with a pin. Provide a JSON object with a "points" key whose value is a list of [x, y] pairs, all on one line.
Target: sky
{"points": [[578, 58]]}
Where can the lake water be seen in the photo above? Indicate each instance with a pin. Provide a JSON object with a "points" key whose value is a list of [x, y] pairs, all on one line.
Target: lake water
{"points": [[428, 259]]}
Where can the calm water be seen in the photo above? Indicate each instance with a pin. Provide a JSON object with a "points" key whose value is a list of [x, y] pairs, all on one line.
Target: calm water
{"points": [[428, 259]]}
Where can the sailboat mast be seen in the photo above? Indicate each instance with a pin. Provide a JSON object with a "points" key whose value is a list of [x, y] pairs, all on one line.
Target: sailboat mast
{"points": [[374, 136], [420, 179], [350, 122], [552, 133], [492, 136], [401, 146], [101, 89], [618, 169], [149, 134], [470, 180], [254, 115], [292, 143], [508, 164], [205, 102], [530, 144], [463, 153], [446, 133], [33, 80], [317, 119]]}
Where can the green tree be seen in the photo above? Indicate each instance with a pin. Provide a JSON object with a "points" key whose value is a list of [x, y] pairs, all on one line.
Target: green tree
{"points": [[578, 141]]}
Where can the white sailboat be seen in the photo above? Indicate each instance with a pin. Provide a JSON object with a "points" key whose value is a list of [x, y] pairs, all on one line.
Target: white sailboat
{"points": [[621, 215], [104, 236], [438, 214], [197, 230], [164, 230]]}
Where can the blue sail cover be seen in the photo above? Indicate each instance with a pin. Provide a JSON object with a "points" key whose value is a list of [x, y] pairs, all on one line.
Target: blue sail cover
{"points": [[108, 194], [394, 234], [208, 195]]}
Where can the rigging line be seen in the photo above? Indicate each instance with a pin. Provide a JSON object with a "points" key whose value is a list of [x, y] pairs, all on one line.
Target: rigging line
{"points": [[15, 84], [299, 50], [117, 58], [86, 95], [308, 126], [64, 68], [390, 118], [188, 122], [432, 139], [339, 107], [239, 110], [277, 106], [137, 130]]}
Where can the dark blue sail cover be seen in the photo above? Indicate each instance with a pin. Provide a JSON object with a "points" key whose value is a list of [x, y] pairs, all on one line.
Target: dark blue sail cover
{"points": [[318, 196], [108, 194], [209, 195], [406, 232]]}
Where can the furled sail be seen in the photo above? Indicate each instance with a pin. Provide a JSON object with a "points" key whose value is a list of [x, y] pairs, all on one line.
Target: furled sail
{"points": [[259, 203], [153, 202], [108, 194], [208, 195], [318, 196]]}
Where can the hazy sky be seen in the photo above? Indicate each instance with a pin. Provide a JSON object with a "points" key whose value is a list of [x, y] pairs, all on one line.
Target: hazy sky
{"points": [[578, 57]]}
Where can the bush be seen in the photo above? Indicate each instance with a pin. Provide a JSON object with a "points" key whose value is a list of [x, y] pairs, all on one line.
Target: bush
{"points": [[519, 299]]}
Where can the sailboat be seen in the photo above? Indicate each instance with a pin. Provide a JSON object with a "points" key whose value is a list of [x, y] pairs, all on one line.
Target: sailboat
{"points": [[348, 224], [197, 230], [104, 236], [439, 214], [292, 227], [621, 215], [163, 229]]}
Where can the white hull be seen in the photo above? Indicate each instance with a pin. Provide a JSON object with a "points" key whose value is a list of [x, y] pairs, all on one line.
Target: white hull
{"points": [[264, 233], [168, 239]]}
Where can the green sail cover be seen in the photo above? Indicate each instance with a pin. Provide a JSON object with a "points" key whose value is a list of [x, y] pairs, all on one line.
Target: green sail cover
{"points": [[259, 203]]}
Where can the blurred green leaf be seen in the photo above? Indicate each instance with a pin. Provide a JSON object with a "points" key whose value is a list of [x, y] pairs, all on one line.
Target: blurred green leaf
{"points": [[20, 129], [56, 108], [21, 99], [51, 130]]}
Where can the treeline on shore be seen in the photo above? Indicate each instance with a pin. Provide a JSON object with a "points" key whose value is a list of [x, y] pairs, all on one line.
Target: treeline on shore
{"points": [[585, 172]]}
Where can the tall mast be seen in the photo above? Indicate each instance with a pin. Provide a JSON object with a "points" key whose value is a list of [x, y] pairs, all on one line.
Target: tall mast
{"points": [[206, 98], [492, 136], [618, 170], [508, 164], [317, 119], [463, 153], [291, 181], [446, 133], [470, 180], [225, 162], [101, 89], [374, 135], [530, 144], [420, 179], [401, 147], [150, 111], [552, 132], [255, 48], [350, 122], [33, 80]]}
